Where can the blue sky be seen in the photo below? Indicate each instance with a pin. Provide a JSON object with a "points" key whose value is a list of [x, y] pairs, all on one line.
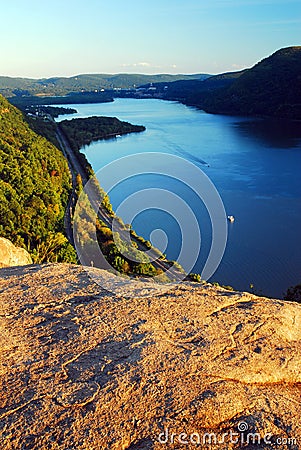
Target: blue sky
{"points": [[65, 37]]}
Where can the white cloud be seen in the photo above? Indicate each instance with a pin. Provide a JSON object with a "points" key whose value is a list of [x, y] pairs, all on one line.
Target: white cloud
{"points": [[143, 64], [139, 64], [238, 66]]}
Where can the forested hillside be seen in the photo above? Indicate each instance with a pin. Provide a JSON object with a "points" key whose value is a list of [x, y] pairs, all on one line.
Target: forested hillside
{"points": [[34, 187], [272, 87]]}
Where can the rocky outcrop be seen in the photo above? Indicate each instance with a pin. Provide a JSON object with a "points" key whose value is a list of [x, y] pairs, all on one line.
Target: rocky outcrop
{"points": [[11, 255], [81, 368]]}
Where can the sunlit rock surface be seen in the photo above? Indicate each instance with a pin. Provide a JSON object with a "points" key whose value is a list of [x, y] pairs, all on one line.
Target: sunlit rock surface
{"points": [[82, 368], [11, 255]]}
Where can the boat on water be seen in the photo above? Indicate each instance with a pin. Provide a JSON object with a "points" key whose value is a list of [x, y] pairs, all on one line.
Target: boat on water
{"points": [[230, 218]]}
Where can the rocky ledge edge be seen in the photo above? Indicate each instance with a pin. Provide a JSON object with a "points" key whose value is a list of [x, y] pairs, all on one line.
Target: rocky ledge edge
{"points": [[83, 368]]}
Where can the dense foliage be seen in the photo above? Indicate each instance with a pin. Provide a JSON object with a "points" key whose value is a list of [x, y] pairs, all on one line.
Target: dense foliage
{"points": [[81, 132], [34, 189], [272, 88], [45, 128]]}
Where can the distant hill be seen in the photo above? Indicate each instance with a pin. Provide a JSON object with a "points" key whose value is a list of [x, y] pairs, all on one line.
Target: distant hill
{"points": [[10, 87], [271, 88]]}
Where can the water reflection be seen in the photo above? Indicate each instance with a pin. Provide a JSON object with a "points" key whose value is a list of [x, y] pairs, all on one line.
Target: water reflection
{"points": [[271, 132]]}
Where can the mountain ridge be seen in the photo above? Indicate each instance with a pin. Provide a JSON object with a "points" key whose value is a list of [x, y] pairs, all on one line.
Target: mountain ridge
{"points": [[11, 86], [272, 87]]}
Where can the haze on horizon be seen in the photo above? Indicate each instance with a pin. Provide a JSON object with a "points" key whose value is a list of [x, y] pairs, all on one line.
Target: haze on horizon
{"points": [[45, 39]]}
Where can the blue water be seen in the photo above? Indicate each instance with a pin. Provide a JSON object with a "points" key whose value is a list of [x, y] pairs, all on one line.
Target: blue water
{"points": [[255, 166]]}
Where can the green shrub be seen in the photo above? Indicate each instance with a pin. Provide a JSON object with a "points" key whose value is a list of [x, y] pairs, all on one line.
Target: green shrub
{"points": [[120, 264], [227, 287], [145, 269], [196, 277]]}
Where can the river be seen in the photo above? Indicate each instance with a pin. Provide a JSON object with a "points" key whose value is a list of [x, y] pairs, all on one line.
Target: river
{"points": [[255, 166]]}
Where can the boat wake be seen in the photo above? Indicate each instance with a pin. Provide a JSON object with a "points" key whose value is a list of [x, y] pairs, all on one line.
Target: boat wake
{"points": [[181, 152]]}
